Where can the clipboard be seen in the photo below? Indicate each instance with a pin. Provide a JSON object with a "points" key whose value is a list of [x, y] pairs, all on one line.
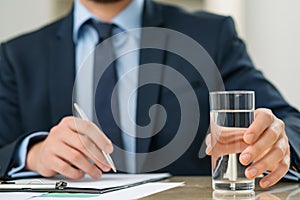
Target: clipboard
{"points": [[62, 187]]}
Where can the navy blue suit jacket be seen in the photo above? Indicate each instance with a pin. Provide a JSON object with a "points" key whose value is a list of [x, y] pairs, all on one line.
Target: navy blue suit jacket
{"points": [[37, 76]]}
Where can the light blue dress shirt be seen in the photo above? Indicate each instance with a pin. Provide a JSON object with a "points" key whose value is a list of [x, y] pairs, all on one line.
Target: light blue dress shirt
{"points": [[85, 39]]}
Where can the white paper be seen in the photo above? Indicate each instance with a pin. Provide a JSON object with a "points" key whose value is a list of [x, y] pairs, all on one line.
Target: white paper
{"points": [[125, 194], [18, 195], [108, 180], [140, 191]]}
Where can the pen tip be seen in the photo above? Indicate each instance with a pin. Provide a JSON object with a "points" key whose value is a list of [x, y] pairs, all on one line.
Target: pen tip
{"points": [[114, 169]]}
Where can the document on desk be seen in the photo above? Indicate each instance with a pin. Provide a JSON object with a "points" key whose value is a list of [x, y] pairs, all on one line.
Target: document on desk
{"points": [[112, 180], [146, 187]]}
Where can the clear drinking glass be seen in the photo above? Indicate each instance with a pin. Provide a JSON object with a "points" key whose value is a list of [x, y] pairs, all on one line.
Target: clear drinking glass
{"points": [[231, 113]]}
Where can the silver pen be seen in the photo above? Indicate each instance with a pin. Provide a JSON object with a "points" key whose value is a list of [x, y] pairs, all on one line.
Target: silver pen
{"points": [[107, 156]]}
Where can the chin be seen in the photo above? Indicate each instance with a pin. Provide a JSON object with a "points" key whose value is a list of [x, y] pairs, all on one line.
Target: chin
{"points": [[106, 1]]}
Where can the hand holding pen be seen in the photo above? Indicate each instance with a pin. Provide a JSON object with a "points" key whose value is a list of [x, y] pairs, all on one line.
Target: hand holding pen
{"points": [[107, 156], [69, 148]]}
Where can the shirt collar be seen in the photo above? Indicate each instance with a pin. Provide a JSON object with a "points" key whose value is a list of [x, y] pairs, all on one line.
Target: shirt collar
{"points": [[125, 19]]}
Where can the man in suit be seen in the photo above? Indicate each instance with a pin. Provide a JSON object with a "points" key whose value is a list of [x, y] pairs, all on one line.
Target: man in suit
{"points": [[37, 73]]}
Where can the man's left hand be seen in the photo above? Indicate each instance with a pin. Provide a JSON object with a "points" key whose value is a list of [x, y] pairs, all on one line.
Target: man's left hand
{"points": [[264, 144]]}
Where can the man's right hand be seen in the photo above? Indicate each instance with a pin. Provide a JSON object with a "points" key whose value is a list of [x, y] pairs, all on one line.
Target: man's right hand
{"points": [[68, 150]]}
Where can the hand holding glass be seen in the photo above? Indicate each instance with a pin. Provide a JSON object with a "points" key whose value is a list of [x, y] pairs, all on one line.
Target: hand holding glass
{"points": [[231, 113]]}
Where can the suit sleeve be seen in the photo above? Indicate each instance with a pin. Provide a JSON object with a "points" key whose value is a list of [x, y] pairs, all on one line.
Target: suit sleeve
{"points": [[10, 117], [10, 120], [12, 137], [239, 73], [8, 113]]}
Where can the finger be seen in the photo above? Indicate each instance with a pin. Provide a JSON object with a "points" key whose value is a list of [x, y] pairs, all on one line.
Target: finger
{"points": [[230, 135], [276, 174], [77, 159], [225, 149], [266, 141], [275, 155], [64, 168], [227, 136], [93, 152], [91, 130], [87, 147], [262, 120], [217, 148], [209, 144]]}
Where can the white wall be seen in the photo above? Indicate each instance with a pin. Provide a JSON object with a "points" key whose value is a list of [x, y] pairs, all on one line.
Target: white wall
{"points": [[273, 36], [20, 16], [271, 30]]}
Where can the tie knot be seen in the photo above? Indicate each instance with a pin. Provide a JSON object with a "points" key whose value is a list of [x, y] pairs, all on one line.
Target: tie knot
{"points": [[104, 30]]}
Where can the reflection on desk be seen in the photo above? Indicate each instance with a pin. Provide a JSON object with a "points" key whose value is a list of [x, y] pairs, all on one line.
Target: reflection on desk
{"points": [[200, 188], [233, 195]]}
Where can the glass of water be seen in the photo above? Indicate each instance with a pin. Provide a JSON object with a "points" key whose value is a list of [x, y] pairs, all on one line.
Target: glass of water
{"points": [[231, 113]]}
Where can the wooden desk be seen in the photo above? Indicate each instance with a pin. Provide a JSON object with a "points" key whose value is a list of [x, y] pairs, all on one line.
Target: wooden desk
{"points": [[200, 188]]}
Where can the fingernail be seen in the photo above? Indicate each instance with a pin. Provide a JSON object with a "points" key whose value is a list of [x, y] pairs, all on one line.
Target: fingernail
{"points": [[265, 183], [253, 172], [249, 137], [246, 158]]}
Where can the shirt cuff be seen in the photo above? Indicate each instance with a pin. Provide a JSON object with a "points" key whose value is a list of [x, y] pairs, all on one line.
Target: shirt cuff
{"points": [[21, 153], [23, 174]]}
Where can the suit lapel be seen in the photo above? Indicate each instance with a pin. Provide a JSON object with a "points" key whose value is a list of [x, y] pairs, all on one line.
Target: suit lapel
{"points": [[61, 70], [152, 17]]}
